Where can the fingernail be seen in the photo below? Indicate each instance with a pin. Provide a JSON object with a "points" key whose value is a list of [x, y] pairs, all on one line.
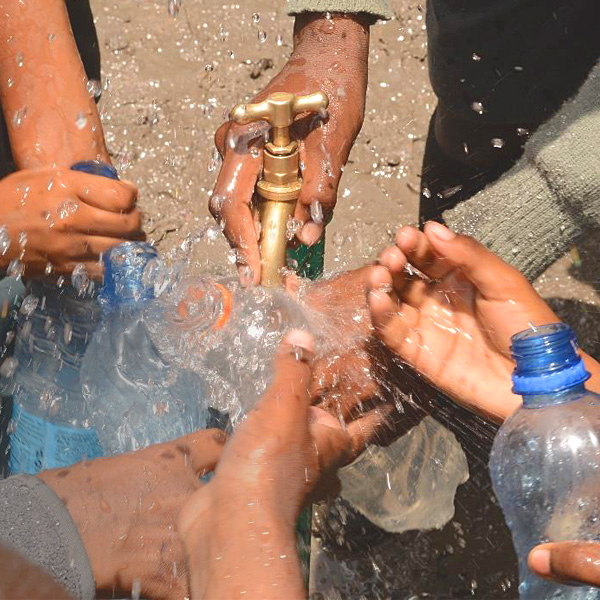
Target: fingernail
{"points": [[441, 232], [301, 342], [310, 233], [540, 561]]}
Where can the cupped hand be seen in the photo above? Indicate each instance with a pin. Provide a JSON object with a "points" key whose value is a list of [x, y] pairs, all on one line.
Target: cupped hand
{"points": [[126, 509], [567, 562], [453, 321], [330, 55], [55, 219]]}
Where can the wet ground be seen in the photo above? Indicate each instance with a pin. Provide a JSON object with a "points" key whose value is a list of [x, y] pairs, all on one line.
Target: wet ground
{"points": [[169, 82]]}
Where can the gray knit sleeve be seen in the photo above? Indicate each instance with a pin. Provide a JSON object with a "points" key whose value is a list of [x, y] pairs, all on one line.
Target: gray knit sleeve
{"points": [[380, 9], [35, 523], [535, 212]]}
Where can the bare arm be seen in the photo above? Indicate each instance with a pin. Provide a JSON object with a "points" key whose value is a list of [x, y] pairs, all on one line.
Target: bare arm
{"points": [[51, 117]]}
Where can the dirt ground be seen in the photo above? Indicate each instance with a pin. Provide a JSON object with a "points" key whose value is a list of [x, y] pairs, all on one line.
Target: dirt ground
{"points": [[170, 82]]}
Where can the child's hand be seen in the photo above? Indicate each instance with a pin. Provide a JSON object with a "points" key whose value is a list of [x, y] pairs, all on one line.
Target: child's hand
{"points": [[65, 218], [567, 562], [454, 325], [126, 509], [239, 529]]}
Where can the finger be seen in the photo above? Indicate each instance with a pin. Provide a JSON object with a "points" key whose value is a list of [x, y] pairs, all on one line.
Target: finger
{"points": [[392, 322], [394, 260], [103, 193], [320, 181], [94, 221], [370, 428], [201, 449], [567, 562], [231, 204], [93, 268], [288, 394], [482, 267], [81, 247], [420, 253]]}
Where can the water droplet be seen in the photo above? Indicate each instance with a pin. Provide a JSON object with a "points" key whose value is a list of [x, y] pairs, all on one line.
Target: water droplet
{"points": [[67, 333], [124, 160], [216, 204], [497, 143], [521, 131], [10, 82], [15, 269], [49, 268], [19, 116], [20, 60], [215, 160], [80, 279], [476, 57], [28, 305], [23, 239], [4, 240], [212, 234], [255, 18], [94, 88], [337, 239], [67, 208], [477, 107], [232, 256], [515, 250], [173, 8], [81, 121], [316, 212], [9, 366], [426, 192], [280, 40], [209, 68], [292, 227], [231, 54], [262, 36]]}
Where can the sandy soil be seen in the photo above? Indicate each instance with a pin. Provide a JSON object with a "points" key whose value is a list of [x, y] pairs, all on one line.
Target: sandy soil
{"points": [[168, 83]]}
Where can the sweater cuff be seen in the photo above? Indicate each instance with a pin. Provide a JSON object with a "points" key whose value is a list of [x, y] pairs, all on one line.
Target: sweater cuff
{"points": [[35, 523], [520, 219], [379, 9]]}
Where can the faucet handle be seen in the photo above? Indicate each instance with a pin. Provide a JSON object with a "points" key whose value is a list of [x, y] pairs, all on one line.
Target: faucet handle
{"points": [[279, 110]]}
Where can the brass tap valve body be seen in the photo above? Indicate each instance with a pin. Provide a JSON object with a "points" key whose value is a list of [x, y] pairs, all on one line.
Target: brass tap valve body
{"points": [[280, 183]]}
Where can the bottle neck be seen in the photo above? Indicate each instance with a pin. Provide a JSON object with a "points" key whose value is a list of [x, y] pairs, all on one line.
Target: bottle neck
{"points": [[543, 400]]}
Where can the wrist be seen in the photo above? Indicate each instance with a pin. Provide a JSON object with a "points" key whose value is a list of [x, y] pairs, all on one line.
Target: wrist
{"points": [[322, 34]]}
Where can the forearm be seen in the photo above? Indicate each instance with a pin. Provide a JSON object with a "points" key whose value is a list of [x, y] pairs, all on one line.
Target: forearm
{"points": [[51, 117], [242, 552]]}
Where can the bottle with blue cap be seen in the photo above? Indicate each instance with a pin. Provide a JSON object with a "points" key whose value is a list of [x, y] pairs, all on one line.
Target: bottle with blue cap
{"points": [[545, 461], [55, 323], [134, 395]]}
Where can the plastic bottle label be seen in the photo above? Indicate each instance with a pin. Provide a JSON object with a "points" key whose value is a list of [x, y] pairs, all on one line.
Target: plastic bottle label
{"points": [[36, 444]]}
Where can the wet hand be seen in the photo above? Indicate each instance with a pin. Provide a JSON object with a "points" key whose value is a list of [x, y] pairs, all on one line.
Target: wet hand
{"points": [[567, 562], [329, 55], [63, 218], [283, 455], [126, 509], [454, 322]]}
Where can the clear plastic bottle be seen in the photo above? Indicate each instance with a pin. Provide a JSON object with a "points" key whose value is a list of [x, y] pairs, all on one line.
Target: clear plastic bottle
{"points": [[54, 325], [545, 461], [134, 395]]}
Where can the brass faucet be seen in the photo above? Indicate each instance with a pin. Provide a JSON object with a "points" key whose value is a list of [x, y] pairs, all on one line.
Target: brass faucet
{"points": [[280, 182]]}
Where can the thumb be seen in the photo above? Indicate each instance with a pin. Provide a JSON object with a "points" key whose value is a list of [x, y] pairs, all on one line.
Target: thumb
{"points": [[288, 395], [321, 178], [567, 562]]}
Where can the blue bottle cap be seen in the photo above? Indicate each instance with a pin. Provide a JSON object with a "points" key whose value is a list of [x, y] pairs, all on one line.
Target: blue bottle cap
{"points": [[96, 167], [547, 360], [124, 281]]}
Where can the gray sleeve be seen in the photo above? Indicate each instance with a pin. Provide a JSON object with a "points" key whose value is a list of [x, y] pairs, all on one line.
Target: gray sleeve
{"points": [[35, 523], [380, 9], [535, 212]]}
